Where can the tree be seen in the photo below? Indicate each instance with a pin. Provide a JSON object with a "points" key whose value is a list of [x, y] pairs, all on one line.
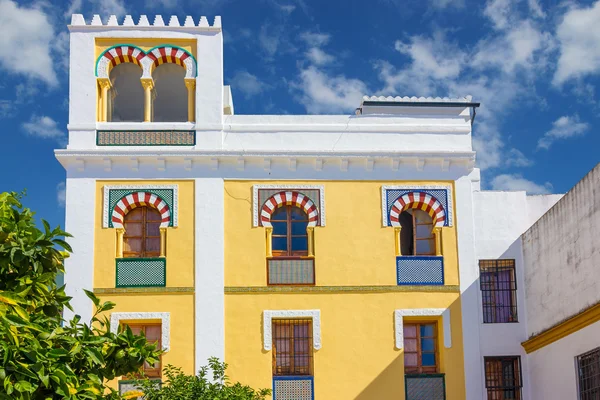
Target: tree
{"points": [[43, 356], [180, 386]]}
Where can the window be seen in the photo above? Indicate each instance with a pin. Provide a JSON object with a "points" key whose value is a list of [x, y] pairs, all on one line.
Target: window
{"points": [[503, 377], [416, 237], [420, 348], [126, 96], [171, 102], [292, 347], [588, 370], [142, 233], [498, 291], [290, 238], [153, 333]]}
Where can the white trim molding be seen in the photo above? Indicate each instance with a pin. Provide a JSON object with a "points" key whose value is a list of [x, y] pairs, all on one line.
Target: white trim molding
{"points": [[106, 213], [165, 318], [257, 207], [269, 315], [422, 312], [449, 209]]}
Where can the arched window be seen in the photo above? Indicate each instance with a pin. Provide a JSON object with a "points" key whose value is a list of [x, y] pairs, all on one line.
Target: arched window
{"points": [[142, 232], [416, 237], [126, 96], [290, 237], [171, 102]]}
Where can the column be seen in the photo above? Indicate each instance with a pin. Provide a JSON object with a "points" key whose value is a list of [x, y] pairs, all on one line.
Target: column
{"points": [[104, 86], [190, 84], [148, 84]]}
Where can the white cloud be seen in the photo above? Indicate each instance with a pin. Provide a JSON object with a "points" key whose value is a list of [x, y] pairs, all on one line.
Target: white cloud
{"points": [[435, 57], [29, 33], [579, 36], [322, 93], [513, 182], [44, 127], [499, 12], [162, 3], [318, 56], [74, 8], [248, 84], [7, 108], [536, 8], [269, 40], [443, 4], [563, 128], [516, 158], [61, 194], [315, 39], [108, 7]]}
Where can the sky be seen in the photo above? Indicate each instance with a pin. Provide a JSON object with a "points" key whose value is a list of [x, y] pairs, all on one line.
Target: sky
{"points": [[533, 65]]}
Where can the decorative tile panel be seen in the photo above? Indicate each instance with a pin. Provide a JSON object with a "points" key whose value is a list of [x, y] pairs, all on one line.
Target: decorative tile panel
{"points": [[425, 387], [141, 272], [314, 193], [113, 194], [293, 388], [145, 138], [441, 193], [420, 270], [290, 272]]}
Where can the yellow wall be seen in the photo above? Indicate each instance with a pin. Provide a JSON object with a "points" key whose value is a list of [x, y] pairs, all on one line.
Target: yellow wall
{"points": [[180, 239], [358, 359], [352, 249]]}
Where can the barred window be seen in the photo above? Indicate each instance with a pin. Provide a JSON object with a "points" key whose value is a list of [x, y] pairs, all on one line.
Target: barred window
{"points": [[153, 333], [292, 347], [420, 348], [290, 238], [498, 291], [142, 232], [588, 369], [503, 378]]}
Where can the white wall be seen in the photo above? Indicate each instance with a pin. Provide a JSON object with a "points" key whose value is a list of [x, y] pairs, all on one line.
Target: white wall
{"points": [[552, 369], [563, 250]]}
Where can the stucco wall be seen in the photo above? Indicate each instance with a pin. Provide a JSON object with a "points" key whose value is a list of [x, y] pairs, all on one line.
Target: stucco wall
{"points": [[562, 251], [552, 369]]}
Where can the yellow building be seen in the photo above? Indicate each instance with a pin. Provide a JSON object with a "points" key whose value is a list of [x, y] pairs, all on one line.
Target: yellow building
{"points": [[317, 255]]}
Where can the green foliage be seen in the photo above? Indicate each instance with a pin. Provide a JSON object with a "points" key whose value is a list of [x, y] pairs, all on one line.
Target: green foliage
{"points": [[41, 355], [203, 386]]}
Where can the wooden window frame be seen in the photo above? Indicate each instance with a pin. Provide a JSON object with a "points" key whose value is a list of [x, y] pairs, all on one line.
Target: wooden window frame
{"points": [[292, 353], [497, 392], [433, 237], [290, 253], [144, 253], [155, 372], [420, 369]]}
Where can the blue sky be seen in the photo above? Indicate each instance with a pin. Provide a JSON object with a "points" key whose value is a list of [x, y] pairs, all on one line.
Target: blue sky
{"points": [[534, 66]]}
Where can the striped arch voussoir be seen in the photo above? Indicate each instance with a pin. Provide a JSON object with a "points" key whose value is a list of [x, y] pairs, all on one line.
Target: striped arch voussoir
{"points": [[146, 60], [288, 198], [139, 199], [420, 201]]}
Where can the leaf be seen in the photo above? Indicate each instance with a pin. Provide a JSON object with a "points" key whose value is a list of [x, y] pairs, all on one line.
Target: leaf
{"points": [[57, 353], [92, 297], [9, 298], [94, 354], [46, 227], [63, 244]]}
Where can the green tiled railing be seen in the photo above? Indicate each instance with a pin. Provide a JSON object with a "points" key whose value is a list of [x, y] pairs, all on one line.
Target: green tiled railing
{"points": [[291, 271], [141, 272], [425, 387]]}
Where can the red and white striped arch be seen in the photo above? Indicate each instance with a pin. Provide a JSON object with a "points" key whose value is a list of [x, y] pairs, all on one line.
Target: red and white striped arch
{"points": [[139, 199], [173, 55], [421, 201], [288, 198], [118, 55]]}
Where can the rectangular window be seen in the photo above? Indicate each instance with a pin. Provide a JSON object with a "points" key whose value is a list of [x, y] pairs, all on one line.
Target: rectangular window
{"points": [[153, 333], [588, 370], [420, 348], [292, 347], [503, 378], [498, 291]]}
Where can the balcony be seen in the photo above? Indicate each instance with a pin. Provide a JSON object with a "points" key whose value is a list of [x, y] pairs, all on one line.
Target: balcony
{"points": [[290, 271], [141, 272], [293, 388], [420, 270], [425, 387]]}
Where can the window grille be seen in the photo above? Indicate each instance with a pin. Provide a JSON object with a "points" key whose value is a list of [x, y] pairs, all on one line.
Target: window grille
{"points": [[291, 271], [292, 347], [588, 369], [503, 378], [498, 291], [420, 348]]}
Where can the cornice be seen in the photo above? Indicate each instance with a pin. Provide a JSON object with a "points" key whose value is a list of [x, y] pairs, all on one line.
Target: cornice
{"points": [[340, 289]]}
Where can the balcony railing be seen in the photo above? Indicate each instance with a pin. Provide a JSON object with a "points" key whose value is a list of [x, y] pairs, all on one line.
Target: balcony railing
{"points": [[146, 138], [293, 388], [420, 270], [290, 271], [425, 387], [141, 272]]}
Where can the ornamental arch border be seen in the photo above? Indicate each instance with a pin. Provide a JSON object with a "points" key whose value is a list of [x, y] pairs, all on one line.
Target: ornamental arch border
{"points": [[436, 200], [114, 208], [288, 194]]}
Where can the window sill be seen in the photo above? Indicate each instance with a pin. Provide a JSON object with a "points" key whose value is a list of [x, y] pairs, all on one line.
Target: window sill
{"points": [[145, 126]]}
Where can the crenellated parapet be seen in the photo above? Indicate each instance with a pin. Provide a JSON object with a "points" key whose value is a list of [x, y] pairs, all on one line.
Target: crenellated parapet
{"points": [[128, 22]]}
